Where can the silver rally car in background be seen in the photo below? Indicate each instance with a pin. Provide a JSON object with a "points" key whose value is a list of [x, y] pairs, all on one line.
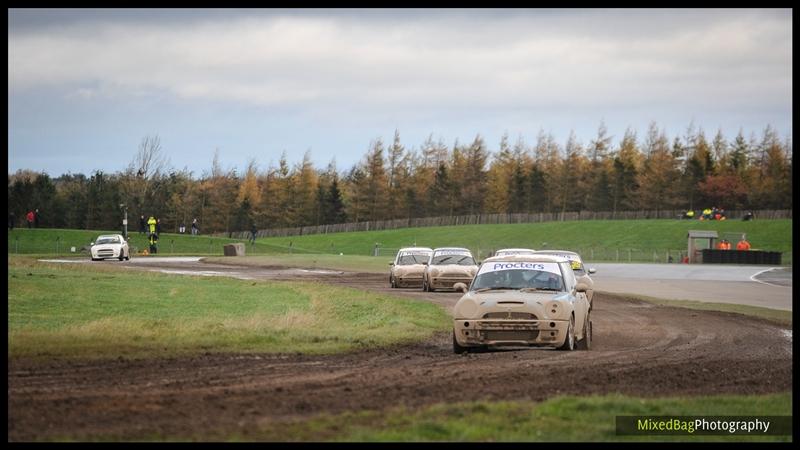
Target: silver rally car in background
{"points": [[528, 300], [408, 265], [580, 271], [448, 266]]}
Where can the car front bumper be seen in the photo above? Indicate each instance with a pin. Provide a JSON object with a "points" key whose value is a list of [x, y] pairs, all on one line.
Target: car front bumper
{"points": [[510, 332], [448, 282]]}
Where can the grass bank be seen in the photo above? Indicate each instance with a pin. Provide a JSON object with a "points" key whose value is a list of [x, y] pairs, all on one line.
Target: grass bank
{"points": [[77, 312], [602, 238]]}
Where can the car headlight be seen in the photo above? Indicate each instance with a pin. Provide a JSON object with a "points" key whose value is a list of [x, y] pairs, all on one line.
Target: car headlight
{"points": [[555, 309], [465, 309]]}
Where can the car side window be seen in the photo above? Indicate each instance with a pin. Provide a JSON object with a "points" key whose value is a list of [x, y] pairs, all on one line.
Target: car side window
{"points": [[569, 276]]}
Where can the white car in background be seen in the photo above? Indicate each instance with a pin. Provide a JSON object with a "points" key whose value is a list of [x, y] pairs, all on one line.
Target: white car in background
{"points": [[514, 251], [581, 272], [408, 265], [110, 246], [448, 266]]}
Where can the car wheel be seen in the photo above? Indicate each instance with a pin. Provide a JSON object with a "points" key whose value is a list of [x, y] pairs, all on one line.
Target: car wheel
{"points": [[586, 342], [569, 341], [121, 255], [392, 282], [128, 256], [95, 259], [425, 284], [457, 348]]}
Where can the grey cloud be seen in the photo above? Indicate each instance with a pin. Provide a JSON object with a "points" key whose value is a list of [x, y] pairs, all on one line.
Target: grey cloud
{"points": [[409, 58]]}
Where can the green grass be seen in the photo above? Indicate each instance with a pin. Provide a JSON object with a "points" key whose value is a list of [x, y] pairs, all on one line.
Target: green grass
{"points": [[70, 311], [601, 237], [596, 240], [49, 241], [563, 418], [778, 316]]}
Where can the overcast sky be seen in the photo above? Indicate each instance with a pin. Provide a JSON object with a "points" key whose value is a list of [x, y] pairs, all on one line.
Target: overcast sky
{"points": [[85, 86]]}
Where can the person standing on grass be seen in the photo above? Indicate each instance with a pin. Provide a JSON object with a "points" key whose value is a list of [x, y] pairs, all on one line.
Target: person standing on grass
{"points": [[743, 244], [253, 231], [142, 225], [29, 218], [195, 227], [36, 218], [12, 220]]}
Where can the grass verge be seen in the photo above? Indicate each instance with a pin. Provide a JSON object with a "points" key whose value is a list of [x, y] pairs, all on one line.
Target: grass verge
{"points": [[563, 418], [69, 311], [777, 316]]}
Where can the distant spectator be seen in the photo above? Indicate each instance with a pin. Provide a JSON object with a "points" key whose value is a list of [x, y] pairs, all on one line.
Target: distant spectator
{"points": [[182, 228], [142, 225], [151, 222], [30, 217], [195, 227], [689, 214], [748, 216], [12, 220], [158, 226], [706, 214], [36, 218], [724, 244], [253, 231], [743, 244]]}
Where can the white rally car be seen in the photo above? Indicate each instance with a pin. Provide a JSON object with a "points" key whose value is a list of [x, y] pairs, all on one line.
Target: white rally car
{"points": [[528, 300], [110, 246], [448, 266], [408, 265]]}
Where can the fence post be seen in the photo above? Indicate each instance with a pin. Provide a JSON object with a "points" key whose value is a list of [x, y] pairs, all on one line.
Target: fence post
{"points": [[290, 247], [592, 252], [654, 256], [58, 238], [210, 241], [629, 255], [16, 244], [172, 246], [617, 255]]}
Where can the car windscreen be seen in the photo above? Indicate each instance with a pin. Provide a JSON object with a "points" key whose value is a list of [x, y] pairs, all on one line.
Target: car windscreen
{"points": [[107, 240], [461, 260], [542, 276], [406, 260]]}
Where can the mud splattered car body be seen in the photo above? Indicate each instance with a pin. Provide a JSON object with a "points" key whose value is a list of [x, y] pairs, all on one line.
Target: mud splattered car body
{"points": [[448, 266], [408, 265], [529, 300]]}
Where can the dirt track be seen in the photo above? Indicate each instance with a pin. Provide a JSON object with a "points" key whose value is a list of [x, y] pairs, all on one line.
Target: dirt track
{"points": [[639, 349]]}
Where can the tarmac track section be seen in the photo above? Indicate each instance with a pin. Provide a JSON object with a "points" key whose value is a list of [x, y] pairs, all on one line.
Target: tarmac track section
{"points": [[638, 349]]}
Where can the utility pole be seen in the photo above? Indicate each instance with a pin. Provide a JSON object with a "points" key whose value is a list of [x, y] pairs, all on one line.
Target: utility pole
{"points": [[125, 221]]}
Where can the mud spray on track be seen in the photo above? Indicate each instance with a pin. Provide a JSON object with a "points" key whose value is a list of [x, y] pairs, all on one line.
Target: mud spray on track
{"points": [[639, 349]]}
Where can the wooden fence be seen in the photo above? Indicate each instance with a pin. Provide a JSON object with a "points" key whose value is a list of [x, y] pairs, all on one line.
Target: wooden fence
{"points": [[479, 219]]}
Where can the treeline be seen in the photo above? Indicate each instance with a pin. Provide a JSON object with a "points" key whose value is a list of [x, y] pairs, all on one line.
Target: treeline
{"points": [[652, 172]]}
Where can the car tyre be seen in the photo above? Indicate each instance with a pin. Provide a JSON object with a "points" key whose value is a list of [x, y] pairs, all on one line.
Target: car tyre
{"points": [[128, 256], [586, 342], [569, 341], [457, 348], [392, 282], [95, 259]]}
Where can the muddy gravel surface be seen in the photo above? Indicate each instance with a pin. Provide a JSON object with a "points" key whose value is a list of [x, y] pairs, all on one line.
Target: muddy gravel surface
{"points": [[638, 349]]}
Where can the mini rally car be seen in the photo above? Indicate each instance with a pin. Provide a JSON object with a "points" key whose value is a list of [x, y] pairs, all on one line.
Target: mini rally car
{"points": [[523, 300], [408, 265], [448, 266]]}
